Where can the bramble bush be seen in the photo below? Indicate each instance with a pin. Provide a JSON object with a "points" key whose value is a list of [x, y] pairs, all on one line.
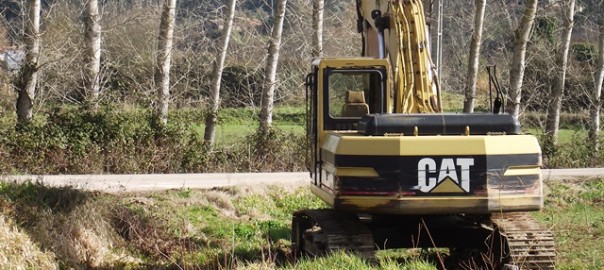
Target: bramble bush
{"points": [[78, 141]]}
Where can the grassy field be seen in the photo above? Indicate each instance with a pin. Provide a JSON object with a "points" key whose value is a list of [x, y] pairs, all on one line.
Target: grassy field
{"points": [[237, 124], [232, 133], [575, 212], [232, 228], [565, 137]]}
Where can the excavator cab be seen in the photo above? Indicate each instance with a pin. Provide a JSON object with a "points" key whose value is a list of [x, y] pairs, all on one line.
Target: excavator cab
{"points": [[348, 90], [339, 92]]}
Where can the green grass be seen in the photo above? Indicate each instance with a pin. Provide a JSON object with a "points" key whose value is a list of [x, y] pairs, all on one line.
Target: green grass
{"points": [[237, 228], [235, 124], [452, 102], [565, 136], [232, 133], [341, 260], [238, 224], [575, 212]]}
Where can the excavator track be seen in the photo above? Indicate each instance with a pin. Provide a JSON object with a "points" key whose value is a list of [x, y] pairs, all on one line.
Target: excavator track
{"points": [[530, 245], [518, 241], [316, 232]]}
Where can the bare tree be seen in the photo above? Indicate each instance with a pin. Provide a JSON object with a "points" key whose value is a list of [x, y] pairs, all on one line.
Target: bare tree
{"points": [[428, 5], [473, 58], [28, 78], [210, 130], [594, 129], [317, 23], [518, 64], [268, 92], [164, 58], [92, 64], [552, 124]]}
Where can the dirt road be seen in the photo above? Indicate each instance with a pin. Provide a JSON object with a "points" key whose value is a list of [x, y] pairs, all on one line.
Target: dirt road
{"points": [[149, 182]]}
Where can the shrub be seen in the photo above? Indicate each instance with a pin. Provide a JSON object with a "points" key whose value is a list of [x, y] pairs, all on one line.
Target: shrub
{"points": [[584, 52], [77, 141], [579, 153]]}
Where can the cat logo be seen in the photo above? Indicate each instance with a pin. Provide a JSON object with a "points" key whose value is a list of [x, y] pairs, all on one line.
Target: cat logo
{"points": [[448, 175]]}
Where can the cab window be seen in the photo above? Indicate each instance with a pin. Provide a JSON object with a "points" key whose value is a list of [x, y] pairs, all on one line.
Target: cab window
{"points": [[351, 94]]}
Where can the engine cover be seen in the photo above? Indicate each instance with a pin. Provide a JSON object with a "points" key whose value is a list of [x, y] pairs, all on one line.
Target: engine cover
{"points": [[438, 124]]}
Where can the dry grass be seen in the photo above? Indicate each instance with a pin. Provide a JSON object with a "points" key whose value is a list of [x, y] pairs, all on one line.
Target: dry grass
{"points": [[222, 201], [81, 238], [71, 226], [18, 251]]}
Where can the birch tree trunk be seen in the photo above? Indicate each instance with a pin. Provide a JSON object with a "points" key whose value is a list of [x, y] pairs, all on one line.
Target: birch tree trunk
{"points": [[594, 129], [317, 22], [474, 57], [552, 124], [268, 92], [164, 58], [210, 130], [28, 77], [522, 36], [428, 11], [93, 52]]}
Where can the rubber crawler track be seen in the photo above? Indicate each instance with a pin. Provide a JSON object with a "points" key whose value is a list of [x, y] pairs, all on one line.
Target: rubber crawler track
{"points": [[526, 243], [530, 244], [319, 231]]}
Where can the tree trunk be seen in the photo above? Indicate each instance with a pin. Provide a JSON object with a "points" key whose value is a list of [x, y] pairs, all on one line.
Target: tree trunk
{"points": [[266, 113], [28, 77], [474, 57], [522, 36], [428, 15], [555, 103], [93, 53], [317, 23], [594, 129], [437, 49], [210, 130], [164, 58]]}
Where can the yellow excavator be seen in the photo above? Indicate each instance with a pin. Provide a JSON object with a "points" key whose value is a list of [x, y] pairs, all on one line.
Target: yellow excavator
{"points": [[397, 172]]}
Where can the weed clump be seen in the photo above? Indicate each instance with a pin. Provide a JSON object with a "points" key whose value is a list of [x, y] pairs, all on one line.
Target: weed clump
{"points": [[148, 235]]}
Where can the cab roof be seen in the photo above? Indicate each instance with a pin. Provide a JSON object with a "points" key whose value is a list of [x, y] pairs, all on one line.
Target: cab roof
{"points": [[349, 62]]}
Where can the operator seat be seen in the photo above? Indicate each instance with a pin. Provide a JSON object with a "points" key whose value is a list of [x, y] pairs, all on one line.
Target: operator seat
{"points": [[355, 105]]}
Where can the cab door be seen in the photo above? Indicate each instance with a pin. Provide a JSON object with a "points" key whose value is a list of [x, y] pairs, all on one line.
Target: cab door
{"points": [[312, 139]]}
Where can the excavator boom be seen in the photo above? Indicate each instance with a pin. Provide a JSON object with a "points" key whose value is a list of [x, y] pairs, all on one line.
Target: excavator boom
{"points": [[397, 31]]}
